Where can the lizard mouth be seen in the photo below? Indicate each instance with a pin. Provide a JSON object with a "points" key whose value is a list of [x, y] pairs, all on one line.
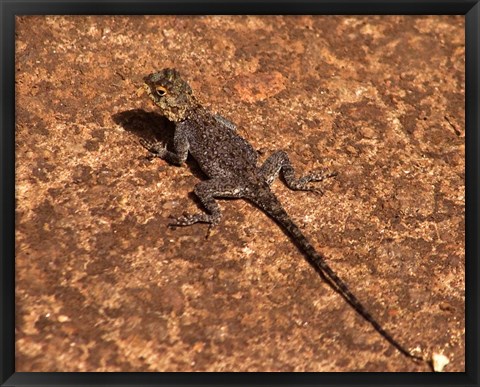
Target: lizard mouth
{"points": [[145, 88]]}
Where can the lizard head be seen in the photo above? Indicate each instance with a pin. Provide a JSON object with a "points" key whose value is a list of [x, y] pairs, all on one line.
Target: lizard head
{"points": [[170, 93]]}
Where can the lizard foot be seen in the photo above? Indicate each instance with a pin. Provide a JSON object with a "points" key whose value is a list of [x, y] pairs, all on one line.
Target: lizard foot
{"points": [[315, 190], [157, 148], [303, 184], [318, 176], [188, 220]]}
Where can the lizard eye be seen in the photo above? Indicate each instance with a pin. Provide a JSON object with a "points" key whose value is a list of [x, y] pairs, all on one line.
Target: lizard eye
{"points": [[161, 91]]}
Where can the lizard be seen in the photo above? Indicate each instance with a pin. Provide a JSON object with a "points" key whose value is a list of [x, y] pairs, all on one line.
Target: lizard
{"points": [[231, 164]]}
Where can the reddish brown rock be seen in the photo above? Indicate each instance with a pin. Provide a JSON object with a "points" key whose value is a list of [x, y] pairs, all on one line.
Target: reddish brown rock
{"points": [[102, 284]]}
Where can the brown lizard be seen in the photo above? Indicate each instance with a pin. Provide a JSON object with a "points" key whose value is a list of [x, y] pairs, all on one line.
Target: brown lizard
{"points": [[230, 163]]}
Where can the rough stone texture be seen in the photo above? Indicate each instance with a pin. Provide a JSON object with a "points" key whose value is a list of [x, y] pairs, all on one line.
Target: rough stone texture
{"points": [[103, 285]]}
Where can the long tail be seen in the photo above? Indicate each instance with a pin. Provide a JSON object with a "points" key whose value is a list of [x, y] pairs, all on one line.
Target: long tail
{"points": [[270, 205]]}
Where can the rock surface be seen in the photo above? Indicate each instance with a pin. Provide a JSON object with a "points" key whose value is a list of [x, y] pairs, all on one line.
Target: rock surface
{"points": [[102, 284]]}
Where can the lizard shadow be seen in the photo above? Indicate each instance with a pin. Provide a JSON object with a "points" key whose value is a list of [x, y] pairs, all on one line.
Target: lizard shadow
{"points": [[145, 124], [153, 126]]}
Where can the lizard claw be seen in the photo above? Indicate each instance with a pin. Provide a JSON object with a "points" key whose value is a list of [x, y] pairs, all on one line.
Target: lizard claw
{"points": [[317, 177], [188, 219], [212, 223], [316, 191], [209, 231]]}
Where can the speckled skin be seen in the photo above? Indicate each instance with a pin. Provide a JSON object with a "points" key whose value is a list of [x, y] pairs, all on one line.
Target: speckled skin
{"points": [[230, 162]]}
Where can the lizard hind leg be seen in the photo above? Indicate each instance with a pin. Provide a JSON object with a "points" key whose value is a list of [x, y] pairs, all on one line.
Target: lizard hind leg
{"points": [[279, 162], [207, 191]]}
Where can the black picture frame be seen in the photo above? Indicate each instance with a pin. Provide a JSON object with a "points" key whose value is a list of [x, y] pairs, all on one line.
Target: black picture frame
{"points": [[9, 9]]}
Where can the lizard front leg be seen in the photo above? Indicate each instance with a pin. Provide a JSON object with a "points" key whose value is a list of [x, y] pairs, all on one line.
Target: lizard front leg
{"points": [[279, 162], [180, 142]]}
